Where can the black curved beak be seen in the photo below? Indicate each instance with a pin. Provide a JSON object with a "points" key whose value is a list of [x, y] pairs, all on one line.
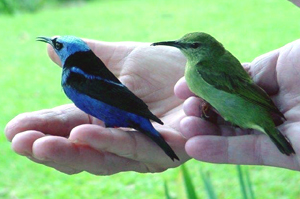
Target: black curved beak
{"points": [[45, 39], [175, 44]]}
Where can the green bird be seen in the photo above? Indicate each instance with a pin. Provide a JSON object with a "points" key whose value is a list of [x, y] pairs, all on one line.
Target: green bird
{"points": [[216, 76]]}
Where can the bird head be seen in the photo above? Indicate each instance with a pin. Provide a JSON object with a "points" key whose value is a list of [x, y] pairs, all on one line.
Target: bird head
{"points": [[196, 45], [65, 46]]}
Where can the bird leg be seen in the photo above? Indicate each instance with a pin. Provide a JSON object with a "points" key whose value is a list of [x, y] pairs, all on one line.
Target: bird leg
{"points": [[205, 108], [208, 113]]}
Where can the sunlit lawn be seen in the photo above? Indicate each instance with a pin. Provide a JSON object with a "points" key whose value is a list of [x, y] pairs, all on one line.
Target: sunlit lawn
{"points": [[29, 81]]}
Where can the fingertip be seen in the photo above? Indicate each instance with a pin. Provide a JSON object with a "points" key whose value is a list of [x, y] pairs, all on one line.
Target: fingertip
{"points": [[15, 126], [246, 66], [193, 126], [87, 134], [9, 130], [22, 143], [54, 148], [192, 106], [181, 89], [187, 127]]}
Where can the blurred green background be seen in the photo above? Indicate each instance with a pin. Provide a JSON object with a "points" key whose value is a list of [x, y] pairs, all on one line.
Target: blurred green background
{"points": [[29, 82]]}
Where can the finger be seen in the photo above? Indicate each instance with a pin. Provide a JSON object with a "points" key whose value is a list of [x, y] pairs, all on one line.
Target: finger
{"points": [[62, 168], [264, 73], [193, 126], [296, 2], [248, 150], [40, 156], [67, 156], [132, 145], [288, 69], [246, 66], [104, 139], [55, 152], [192, 106], [56, 121], [181, 89], [22, 142]]}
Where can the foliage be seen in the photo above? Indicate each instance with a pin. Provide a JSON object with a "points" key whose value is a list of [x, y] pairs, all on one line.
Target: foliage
{"points": [[208, 184], [189, 187], [244, 182], [16, 6]]}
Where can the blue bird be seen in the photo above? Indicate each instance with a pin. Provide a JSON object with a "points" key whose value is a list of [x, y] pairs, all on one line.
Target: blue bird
{"points": [[96, 91]]}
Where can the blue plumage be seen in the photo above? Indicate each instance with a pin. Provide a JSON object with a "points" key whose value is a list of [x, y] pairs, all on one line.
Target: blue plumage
{"points": [[96, 91]]}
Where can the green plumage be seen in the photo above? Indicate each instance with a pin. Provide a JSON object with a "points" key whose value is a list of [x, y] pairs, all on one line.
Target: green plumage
{"points": [[216, 76]]}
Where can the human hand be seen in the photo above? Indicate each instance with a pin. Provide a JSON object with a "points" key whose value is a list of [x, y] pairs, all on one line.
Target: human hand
{"points": [[296, 2], [278, 73], [71, 141]]}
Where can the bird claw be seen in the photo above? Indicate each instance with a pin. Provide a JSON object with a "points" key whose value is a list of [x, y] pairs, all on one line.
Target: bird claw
{"points": [[208, 113], [205, 108]]}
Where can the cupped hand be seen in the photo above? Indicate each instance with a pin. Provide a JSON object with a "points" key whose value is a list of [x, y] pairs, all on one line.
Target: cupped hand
{"points": [[71, 141], [278, 72]]}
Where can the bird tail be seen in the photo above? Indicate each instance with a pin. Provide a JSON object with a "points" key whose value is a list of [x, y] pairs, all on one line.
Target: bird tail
{"points": [[282, 142], [159, 140]]}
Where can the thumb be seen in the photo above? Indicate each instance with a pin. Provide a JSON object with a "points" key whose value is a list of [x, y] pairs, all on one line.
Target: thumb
{"points": [[263, 71], [182, 90]]}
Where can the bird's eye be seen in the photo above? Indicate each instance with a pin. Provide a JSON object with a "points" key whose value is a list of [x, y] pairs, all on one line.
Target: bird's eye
{"points": [[58, 46], [195, 45]]}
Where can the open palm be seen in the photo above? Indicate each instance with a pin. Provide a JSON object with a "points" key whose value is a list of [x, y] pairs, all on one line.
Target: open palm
{"points": [[77, 142], [278, 72]]}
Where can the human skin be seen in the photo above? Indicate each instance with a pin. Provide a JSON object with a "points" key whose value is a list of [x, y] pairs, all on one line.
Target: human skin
{"points": [[296, 2]]}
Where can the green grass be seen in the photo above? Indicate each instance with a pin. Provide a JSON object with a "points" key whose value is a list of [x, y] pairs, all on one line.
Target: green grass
{"points": [[29, 81]]}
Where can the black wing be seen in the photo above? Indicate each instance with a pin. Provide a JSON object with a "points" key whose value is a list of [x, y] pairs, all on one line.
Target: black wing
{"points": [[104, 86]]}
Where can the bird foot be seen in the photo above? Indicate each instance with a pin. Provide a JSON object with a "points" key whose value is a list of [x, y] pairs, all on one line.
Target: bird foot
{"points": [[205, 108], [208, 113]]}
